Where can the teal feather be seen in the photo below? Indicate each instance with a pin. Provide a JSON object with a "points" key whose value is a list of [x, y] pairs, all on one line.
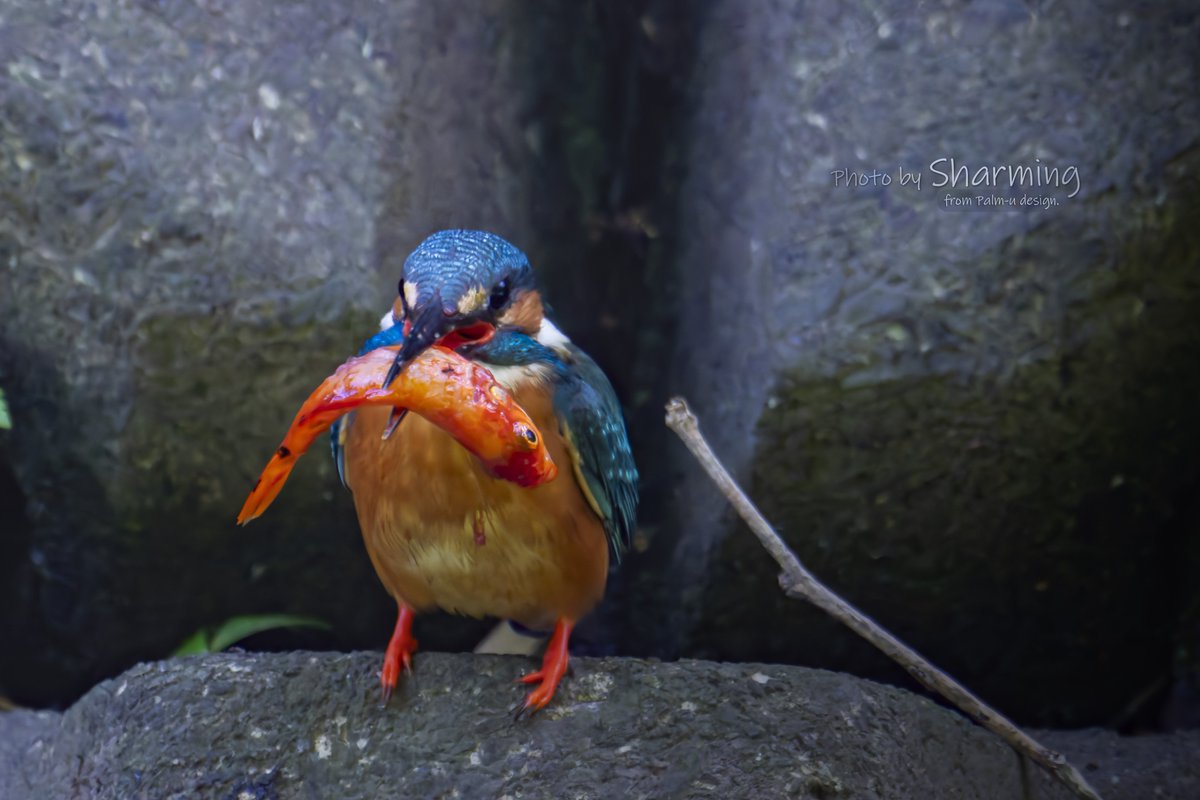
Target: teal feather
{"points": [[594, 427]]}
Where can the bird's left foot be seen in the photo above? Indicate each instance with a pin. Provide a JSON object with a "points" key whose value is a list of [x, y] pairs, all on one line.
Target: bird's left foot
{"points": [[554, 666], [399, 653]]}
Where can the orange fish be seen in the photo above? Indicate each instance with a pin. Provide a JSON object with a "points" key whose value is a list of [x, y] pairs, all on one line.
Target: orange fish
{"points": [[459, 396]]}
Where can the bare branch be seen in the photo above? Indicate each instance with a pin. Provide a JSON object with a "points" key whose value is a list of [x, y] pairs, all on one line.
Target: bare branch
{"points": [[798, 582]]}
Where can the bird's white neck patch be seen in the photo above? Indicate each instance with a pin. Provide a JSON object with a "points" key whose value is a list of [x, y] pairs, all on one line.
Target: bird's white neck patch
{"points": [[386, 321], [549, 335]]}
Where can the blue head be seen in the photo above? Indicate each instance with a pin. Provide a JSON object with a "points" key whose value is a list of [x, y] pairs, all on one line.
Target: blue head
{"points": [[460, 286]]}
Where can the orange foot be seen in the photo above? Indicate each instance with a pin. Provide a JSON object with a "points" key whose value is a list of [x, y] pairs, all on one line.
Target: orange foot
{"points": [[399, 652], [554, 666]]}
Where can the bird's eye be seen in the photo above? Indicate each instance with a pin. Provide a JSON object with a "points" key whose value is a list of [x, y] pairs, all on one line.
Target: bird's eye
{"points": [[499, 295]]}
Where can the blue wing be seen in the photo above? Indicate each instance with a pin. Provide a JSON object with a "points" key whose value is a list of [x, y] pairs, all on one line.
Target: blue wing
{"points": [[593, 427]]}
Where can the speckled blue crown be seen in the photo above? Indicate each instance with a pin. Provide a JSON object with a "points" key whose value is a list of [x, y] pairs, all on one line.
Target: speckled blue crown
{"points": [[452, 261]]}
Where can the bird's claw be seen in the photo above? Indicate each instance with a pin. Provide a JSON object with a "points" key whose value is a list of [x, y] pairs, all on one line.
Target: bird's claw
{"points": [[554, 666], [536, 700], [534, 677], [539, 698], [399, 654], [396, 659]]}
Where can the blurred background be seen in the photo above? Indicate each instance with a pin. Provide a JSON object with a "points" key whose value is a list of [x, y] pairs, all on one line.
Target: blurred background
{"points": [[978, 424]]}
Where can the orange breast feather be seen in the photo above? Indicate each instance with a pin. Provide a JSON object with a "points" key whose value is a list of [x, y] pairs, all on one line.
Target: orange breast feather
{"points": [[442, 532]]}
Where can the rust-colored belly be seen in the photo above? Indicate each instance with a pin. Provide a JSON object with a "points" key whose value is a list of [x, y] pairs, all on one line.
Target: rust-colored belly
{"points": [[443, 532]]}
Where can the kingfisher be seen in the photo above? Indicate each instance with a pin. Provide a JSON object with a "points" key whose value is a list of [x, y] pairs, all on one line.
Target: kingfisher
{"points": [[440, 530]]}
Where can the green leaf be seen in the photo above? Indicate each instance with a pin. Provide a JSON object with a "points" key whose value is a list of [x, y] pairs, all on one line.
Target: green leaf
{"points": [[196, 643], [234, 629], [5, 420]]}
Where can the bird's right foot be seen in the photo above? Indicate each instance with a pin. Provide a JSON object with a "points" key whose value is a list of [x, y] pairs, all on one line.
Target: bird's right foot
{"points": [[399, 653]]}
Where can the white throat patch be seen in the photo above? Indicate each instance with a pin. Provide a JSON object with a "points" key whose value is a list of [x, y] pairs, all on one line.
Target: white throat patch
{"points": [[549, 335]]}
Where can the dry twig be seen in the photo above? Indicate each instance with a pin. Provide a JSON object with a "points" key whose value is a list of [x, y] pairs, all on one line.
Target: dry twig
{"points": [[798, 582]]}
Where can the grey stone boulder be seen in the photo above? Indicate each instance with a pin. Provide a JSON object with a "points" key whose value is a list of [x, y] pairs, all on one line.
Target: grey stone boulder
{"points": [[979, 425], [307, 725]]}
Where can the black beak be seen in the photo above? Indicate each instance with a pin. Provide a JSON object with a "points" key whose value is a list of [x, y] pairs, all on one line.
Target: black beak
{"points": [[428, 325]]}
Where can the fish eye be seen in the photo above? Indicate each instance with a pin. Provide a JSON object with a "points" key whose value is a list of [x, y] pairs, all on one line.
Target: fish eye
{"points": [[530, 436], [499, 295]]}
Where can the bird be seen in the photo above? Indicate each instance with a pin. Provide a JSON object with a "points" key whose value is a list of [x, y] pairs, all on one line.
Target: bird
{"points": [[443, 533]]}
